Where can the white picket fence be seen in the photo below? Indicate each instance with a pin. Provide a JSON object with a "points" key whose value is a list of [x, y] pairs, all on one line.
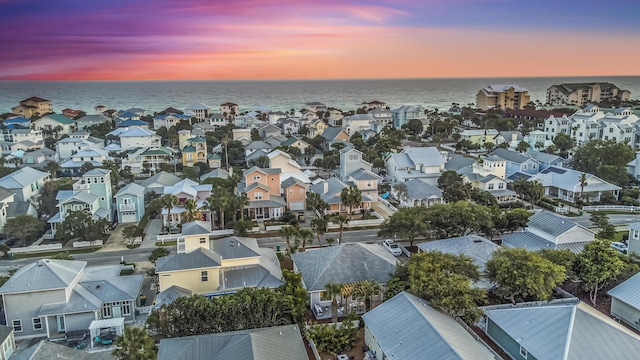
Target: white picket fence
{"points": [[611, 207], [35, 248], [81, 244]]}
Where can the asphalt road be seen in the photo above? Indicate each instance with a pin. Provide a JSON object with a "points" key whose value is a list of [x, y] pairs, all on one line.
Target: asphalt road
{"points": [[614, 219]]}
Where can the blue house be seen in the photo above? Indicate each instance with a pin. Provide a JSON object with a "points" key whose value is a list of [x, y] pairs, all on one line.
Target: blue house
{"points": [[130, 203], [545, 160], [516, 162], [402, 115], [17, 121]]}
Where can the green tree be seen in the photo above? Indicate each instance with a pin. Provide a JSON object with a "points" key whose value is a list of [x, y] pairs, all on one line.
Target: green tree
{"points": [[605, 159], [158, 252], [350, 197], [241, 227], [341, 221], [601, 220], [319, 225], [522, 147], [520, 274], [333, 290], [191, 211], [221, 201], [86, 167], [407, 224], [458, 218], [296, 293], [596, 266], [415, 126], [445, 280], [79, 224], [483, 197], [53, 167], [563, 143], [534, 192], [260, 161], [366, 289], [131, 232], [241, 202], [168, 202], [135, 344], [582, 180], [288, 232], [564, 258]]}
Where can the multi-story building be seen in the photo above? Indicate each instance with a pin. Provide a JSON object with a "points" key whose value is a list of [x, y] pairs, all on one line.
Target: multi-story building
{"points": [[198, 110], [25, 183], [33, 106], [582, 94], [503, 97], [229, 109], [404, 114]]}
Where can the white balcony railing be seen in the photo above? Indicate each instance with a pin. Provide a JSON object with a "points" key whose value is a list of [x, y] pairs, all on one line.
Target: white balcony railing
{"points": [[80, 185], [127, 207]]}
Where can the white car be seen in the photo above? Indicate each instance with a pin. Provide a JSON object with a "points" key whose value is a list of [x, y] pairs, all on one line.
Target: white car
{"points": [[393, 248], [619, 246]]}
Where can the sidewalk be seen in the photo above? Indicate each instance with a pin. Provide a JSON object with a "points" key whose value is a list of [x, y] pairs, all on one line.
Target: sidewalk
{"points": [[154, 227]]}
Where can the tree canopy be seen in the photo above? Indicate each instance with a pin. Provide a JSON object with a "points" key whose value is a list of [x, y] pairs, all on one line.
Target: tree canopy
{"points": [[596, 266], [521, 274], [24, 228], [606, 159], [79, 224]]}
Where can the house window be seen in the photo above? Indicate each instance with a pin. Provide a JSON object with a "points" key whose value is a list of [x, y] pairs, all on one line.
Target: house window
{"points": [[525, 166], [17, 325], [257, 196], [255, 178], [501, 186], [636, 234], [290, 191], [368, 183], [37, 323], [126, 308], [490, 186], [106, 311], [353, 157], [203, 240], [523, 352], [101, 180], [204, 276]]}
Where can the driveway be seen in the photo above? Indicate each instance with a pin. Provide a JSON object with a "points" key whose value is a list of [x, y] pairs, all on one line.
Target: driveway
{"points": [[154, 227]]}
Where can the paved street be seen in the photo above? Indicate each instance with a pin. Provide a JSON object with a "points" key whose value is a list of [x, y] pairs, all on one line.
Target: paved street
{"points": [[615, 219]]}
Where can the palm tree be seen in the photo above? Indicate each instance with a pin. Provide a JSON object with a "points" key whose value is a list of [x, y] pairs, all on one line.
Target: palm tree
{"points": [[333, 290], [168, 202], [583, 183], [191, 212], [350, 197], [319, 225], [367, 289], [52, 167], [536, 192], [242, 201], [341, 221], [304, 235], [520, 187], [135, 344], [287, 232], [225, 142], [220, 202], [330, 240]]}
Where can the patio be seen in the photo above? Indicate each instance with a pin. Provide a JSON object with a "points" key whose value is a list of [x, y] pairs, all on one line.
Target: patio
{"points": [[324, 311], [104, 332]]}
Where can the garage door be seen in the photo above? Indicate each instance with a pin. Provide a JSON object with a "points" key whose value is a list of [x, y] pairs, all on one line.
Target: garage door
{"points": [[297, 205], [128, 217]]}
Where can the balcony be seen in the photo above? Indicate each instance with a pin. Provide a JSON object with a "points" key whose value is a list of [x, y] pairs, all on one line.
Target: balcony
{"points": [[127, 207], [81, 185]]}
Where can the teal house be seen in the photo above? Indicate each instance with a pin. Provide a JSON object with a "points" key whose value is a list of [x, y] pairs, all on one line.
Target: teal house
{"points": [[130, 203]]}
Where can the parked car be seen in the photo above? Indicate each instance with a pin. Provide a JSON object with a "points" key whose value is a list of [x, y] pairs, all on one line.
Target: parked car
{"points": [[392, 246], [620, 247]]}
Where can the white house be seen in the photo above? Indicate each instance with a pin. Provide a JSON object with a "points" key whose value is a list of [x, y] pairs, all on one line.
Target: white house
{"points": [[136, 137], [77, 141], [416, 163], [57, 123], [25, 183]]}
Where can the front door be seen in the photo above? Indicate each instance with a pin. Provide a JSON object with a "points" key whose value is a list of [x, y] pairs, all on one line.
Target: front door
{"points": [[116, 312], [259, 213], [61, 327]]}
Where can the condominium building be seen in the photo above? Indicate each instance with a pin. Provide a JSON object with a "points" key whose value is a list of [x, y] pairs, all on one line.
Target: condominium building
{"points": [[502, 96], [33, 106], [582, 94]]}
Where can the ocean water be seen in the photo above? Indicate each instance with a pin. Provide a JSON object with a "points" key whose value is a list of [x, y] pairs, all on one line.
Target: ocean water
{"points": [[155, 96]]}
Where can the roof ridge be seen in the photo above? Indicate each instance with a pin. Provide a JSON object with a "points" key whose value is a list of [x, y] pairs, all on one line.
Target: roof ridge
{"points": [[329, 263], [567, 344]]}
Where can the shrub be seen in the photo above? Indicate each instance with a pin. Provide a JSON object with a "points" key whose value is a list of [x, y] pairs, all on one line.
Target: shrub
{"points": [[333, 339]]}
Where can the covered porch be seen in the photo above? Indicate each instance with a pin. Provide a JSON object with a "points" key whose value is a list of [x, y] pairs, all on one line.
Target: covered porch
{"points": [[105, 331]]}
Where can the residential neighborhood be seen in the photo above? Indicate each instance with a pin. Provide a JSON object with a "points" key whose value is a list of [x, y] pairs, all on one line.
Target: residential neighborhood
{"points": [[226, 231]]}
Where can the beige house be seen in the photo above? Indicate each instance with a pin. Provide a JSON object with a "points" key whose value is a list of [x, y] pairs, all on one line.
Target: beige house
{"points": [[217, 267], [316, 127], [295, 193], [279, 159], [584, 93], [503, 97], [33, 106], [229, 109]]}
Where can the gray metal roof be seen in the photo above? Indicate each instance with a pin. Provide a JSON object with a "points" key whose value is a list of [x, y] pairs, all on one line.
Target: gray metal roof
{"points": [[4, 193], [273, 201], [162, 178], [407, 328], [47, 350], [196, 227], [42, 275], [550, 223], [565, 330], [476, 247], [345, 263], [22, 177], [281, 342], [258, 144], [458, 162], [170, 295], [5, 331], [197, 259], [247, 276], [419, 189], [235, 247], [292, 181], [511, 156], [544, 157], [132, 188], [363, 174], [262, 170], [18, 208], [628, 292], [533, 242], [330, 133]]}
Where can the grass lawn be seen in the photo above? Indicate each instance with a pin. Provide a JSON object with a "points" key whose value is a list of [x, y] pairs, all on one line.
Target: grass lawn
{"points": [[618, 235], [167, 243], [51, 253]]}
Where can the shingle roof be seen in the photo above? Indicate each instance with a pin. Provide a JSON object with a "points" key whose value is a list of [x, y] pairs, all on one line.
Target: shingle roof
{"points": [[43, 274], [197, 259], [345, 263], [330, 133], [565, 330], [281, 342], [407, 328]]}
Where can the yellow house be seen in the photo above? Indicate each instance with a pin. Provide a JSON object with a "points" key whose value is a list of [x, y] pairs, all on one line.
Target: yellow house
{"points": [[316, 127], [217, 267], [479, 136], [195, 151], [33, 106]]}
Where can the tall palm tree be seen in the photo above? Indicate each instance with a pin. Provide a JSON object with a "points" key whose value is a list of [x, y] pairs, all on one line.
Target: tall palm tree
{"points": [[305, 235], [52, 167], [583, 183], [341, 221], [168, 202], [191, 211], [220, 201], [367, 289], [319, 225], [225, 142], [535, 192], [242, 201], [135, 344], [350, 197], [287, 232], [313, 199], [333, 290]]}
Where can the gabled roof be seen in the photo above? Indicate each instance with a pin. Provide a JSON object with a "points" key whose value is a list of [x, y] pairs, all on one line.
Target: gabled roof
{"points": [[59, 118], [628, 292], [21, 178], [564, 330], [42, 275], [458, 162], [262, 170], [281, 342], [170, 295], [512, 156], [257, 144], [418, 189], [4, 193], [476, 247], [331, 133], [290, 182], [196, 227], [407, 328], [46, 350], [235, 247], [410, 157], [363, 174], [550, 223], [569, 179], [162, 178], [199, 258], [345, 263]]}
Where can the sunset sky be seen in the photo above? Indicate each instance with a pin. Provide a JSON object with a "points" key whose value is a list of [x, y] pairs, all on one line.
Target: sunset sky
{"points": [[329, 39]]}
